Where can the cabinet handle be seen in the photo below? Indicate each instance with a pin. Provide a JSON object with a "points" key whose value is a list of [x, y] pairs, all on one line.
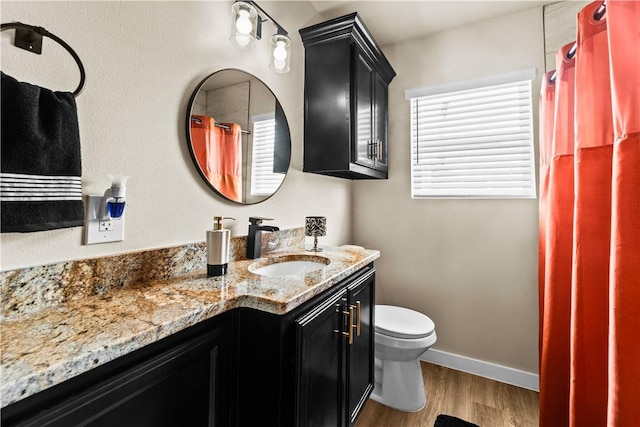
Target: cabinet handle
{"points": [[379, 149], [357, 325], [350, 322], [358, 318]]}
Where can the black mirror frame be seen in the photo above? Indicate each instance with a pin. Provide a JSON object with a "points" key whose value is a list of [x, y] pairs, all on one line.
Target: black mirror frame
{"points": [[190, 145]]}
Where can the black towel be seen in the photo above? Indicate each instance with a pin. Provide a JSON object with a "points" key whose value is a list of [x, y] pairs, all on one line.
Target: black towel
{"points": [[40, 172]]}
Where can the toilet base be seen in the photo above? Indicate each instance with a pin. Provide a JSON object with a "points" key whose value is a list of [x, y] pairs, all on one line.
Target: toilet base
{"points": [[399, 385]]}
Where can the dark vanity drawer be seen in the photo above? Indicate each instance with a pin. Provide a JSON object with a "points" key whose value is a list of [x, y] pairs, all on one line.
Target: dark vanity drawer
{"points": [[186, 384]]}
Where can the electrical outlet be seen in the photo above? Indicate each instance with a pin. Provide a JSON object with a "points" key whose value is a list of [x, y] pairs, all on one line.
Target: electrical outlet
{"points": [[105, 226], [98, 230]]}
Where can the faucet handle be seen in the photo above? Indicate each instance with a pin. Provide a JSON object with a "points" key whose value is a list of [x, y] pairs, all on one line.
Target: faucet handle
{"points": [[257, 220]]}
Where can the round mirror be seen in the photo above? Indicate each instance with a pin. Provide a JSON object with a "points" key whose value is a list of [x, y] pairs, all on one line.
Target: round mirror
{"points": [[238, 136]]}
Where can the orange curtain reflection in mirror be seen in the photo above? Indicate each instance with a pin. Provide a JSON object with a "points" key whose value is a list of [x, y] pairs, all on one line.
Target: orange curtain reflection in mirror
{"points": [[218, 152]]}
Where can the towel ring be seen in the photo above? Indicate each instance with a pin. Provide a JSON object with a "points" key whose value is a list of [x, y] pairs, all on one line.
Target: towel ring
{"points": [[29, 38]]}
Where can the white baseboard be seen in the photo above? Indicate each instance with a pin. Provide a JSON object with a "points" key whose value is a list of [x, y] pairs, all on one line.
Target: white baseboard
{"points": [[483, 369]]}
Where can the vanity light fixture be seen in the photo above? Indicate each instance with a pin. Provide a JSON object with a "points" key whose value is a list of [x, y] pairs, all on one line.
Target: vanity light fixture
{"points": [[246, 27], [244, 24]]}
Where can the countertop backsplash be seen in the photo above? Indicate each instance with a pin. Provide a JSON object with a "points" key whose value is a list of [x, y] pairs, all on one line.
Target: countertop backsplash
{"points": [[32, 289]]}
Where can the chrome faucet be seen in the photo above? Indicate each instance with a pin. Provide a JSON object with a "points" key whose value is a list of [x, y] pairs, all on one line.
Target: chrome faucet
{"points": [[254, 238]]}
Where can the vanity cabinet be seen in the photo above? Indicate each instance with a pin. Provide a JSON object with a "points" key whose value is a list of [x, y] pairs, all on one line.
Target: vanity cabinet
{"points": [[311, 366], [183, 380], [300, 369], [346, 100], [335, 350]]}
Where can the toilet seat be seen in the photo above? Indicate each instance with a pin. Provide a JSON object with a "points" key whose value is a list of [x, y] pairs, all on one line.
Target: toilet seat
{"points": [[400, 322]]}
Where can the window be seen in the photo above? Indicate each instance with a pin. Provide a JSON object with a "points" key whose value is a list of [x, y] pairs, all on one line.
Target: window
{"points": [[473, 139], [264, 182]]}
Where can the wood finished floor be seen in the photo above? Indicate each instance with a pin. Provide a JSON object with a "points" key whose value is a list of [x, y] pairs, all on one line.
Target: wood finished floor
{"points": [[484, 402]]}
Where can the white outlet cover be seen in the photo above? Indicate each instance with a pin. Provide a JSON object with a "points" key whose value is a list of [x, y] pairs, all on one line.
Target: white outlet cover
{"points": [[94, 233]]}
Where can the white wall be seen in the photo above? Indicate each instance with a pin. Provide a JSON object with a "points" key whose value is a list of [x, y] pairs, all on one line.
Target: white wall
{"points": [[143, 60], [470, 265]]}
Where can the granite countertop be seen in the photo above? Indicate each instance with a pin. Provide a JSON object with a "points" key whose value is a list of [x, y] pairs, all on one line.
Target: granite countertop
{"points": [[44, 348]]}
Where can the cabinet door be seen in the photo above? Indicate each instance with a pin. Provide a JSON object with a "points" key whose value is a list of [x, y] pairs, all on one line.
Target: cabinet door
{"points": [[363, 113], [380, 120], [187, 385], [320, 364], [360, 354]]}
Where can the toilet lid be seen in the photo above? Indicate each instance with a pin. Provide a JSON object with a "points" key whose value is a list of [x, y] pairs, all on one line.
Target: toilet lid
{"points": [[401, 322]]}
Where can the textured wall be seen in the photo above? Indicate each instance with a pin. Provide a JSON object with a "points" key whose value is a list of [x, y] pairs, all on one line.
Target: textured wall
{"points": [[470, 265], [143, 60]]}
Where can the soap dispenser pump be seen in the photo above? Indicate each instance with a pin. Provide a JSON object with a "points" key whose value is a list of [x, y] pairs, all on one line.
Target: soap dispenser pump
{"points": [[218, 245]]}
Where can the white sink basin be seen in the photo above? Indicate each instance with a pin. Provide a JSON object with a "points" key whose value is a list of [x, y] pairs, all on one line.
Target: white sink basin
{"points": [[288, 266]]}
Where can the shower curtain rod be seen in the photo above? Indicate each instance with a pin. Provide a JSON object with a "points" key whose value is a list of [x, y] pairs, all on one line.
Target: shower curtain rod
{"points": [[216, 124], [597, 15]]}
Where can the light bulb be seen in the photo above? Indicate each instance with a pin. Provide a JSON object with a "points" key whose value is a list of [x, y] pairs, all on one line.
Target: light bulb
{"points": [[243, 40], [280, 52], [243, 23], [280, 44]]}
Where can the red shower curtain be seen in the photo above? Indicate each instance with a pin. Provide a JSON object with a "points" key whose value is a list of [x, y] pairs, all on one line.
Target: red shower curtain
{"points": [[590, 225]]}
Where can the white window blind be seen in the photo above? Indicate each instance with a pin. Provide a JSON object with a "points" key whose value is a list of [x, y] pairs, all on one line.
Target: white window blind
{"points": [[264, 182], [473, 142]]}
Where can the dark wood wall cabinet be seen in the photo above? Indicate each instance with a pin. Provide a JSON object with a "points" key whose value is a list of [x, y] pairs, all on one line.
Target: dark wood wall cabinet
{"points": [[311, 366], [346, 98]]}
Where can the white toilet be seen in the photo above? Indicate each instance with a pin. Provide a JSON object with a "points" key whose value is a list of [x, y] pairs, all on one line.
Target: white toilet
{"points": [[401, 336]]}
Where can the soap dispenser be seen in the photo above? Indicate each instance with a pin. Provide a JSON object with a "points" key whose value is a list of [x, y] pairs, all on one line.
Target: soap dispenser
{"points": [[218, 245]]}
